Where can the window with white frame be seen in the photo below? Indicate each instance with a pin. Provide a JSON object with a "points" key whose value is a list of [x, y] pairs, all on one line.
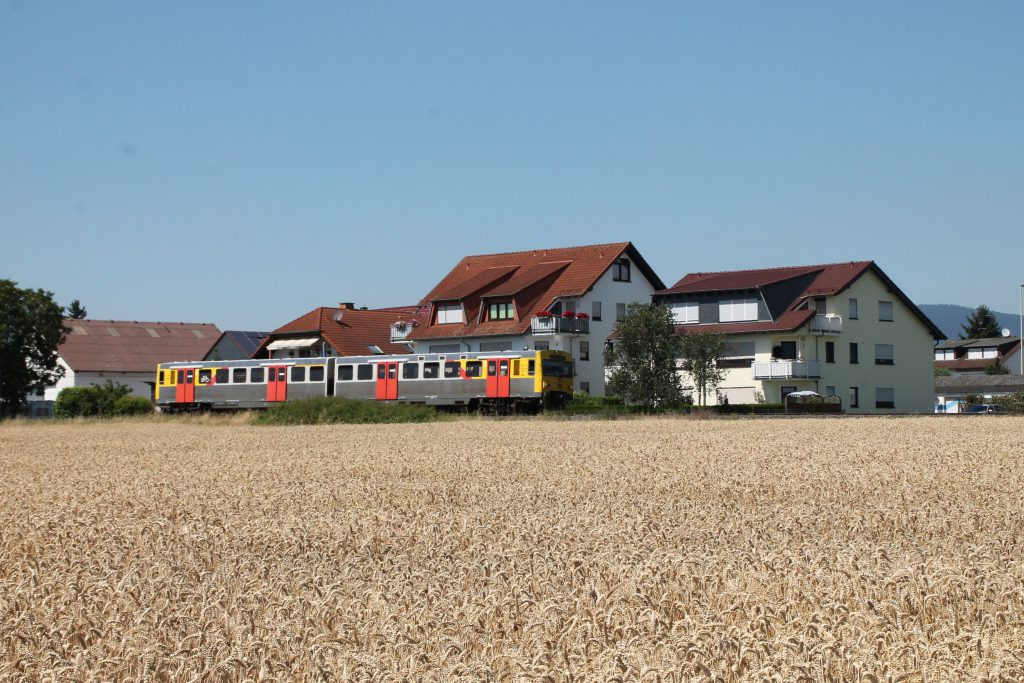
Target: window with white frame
{"points": [[595, 310], [884, 354], [620, 311], [620, 270], [686, 312], [853, 309], [983, 352], [503, 310], [885, 397], [735, 310], [885, 311], [449, 313], [945, 354], [584, 350]]}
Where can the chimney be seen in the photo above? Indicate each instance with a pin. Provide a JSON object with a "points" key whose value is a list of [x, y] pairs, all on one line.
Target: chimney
{"points": [[347, 306]]}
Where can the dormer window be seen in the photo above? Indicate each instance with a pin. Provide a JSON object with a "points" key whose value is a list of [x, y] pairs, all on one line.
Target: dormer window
{"points": [[449, 313], [736, 310], [620, 270], [505, 310]]}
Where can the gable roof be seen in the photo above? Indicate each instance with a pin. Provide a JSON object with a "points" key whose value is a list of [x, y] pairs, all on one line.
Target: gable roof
{"points": [[133, 346], [828, 279], [350, 336], [531, 279], [246, 340]]}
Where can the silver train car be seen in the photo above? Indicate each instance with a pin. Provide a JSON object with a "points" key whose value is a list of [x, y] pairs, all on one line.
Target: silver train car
{"points": [[491, 382]]}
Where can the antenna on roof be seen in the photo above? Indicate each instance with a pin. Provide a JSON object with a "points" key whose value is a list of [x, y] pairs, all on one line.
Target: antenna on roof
{"points": [[1006, 332], [337, 316]]}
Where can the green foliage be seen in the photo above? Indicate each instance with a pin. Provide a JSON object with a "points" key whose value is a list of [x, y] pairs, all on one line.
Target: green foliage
{"points": [[701, 353], [133, 405], [76, 311], [330, 410], [643, 357], [981, 324], [31, 329], [943, 372], [95, 401], [1012, 403], [973, 399], [996, 367]]}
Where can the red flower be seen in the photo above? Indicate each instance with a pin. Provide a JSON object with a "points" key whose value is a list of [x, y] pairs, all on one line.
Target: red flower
{"points": [[544, 314], [568, 314], [582, 316]]}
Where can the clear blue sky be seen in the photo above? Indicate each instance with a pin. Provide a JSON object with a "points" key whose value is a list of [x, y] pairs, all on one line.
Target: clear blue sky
{"points": [[241, 163]]}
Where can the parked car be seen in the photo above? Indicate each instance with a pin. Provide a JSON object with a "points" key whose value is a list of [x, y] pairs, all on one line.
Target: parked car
{"points": [[984, 408]]}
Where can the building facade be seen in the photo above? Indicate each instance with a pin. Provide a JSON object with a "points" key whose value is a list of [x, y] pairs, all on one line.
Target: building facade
{"points": [[565, 299], [839, 329], [975, 356]]}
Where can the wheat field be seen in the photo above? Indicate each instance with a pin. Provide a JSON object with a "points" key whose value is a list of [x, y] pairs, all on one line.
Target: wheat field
{"points": [[523, 550]]}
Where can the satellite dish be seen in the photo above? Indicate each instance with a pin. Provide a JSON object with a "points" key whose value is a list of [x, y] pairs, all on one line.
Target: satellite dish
{"points": [[337, 316], [1006, 332]]}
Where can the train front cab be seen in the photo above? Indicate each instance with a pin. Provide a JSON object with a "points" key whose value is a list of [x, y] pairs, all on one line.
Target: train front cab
{"points": [[554, 381]]}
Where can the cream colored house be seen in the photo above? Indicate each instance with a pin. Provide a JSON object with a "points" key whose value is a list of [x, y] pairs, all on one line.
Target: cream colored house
{"points": [[843, 329]]}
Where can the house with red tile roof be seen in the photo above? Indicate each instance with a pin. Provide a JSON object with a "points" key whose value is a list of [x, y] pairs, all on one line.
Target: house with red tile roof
{"points": [[974, 356], [123, 351], [565, 299], [342, 331], [843, 329]]}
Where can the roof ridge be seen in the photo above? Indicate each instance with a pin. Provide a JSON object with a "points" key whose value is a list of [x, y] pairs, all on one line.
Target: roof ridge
{"points": [[622, 245], [816, 266]]}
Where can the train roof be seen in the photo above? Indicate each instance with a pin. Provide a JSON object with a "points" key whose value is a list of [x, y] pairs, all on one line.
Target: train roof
{"points": [[378, 358]]}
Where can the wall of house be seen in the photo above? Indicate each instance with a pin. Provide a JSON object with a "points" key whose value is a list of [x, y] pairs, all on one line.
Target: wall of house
{"points": [[136, 381]]}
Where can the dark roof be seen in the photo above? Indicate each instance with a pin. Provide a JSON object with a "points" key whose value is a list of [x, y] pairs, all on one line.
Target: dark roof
{"points": [[979, 384], [353, 334], [133, 346], [247, 341], [532, 279], [976, 343], [829, 279]]}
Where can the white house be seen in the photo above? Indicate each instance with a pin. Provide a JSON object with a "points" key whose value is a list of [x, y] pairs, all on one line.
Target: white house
{"points": [[974, 356], [843, 329], [565, 299], [125, 352]]}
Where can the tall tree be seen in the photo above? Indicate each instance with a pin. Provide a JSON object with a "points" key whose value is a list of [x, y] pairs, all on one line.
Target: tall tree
{"points": [[31, 329], [643, 357], [76, 311], [701, 353], [981, 324]]}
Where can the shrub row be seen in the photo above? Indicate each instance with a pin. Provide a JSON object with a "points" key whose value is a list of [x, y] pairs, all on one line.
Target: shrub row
{"points": [[331, 410], [107, 400]]}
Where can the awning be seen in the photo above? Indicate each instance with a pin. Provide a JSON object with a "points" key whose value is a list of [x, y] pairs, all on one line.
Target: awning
{"points": [[292, 343]]}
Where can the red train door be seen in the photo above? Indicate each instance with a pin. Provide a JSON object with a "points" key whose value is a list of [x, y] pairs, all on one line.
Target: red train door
{"points": [[498, 380], [387, 381], [277, 383], [185, 390]]}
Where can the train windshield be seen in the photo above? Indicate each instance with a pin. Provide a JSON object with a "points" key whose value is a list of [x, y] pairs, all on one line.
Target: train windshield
{"points": [[552, 367]]}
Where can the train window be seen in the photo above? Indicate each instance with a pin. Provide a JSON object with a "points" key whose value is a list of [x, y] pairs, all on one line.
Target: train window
{"points": [[256, 376], [238, 376], [316, 373], [382, 371], [298, 373], [364, 371], [430, 370], [181, 376], [531, 367], [222, 376], [554, 367], [451, 369], [344, 373], [410, 370], [163, 378], [474, 368], [205, 376]]}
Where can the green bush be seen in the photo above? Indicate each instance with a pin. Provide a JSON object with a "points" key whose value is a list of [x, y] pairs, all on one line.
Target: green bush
{"points": [[327, 410], [74, 402], [133, 405], [95, 401]]}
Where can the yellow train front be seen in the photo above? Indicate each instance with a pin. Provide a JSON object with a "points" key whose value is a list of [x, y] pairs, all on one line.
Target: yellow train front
{"points": [[501, 382]]}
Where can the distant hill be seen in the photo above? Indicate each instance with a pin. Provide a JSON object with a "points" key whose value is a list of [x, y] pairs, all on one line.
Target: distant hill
{"points": [[950, 318]]}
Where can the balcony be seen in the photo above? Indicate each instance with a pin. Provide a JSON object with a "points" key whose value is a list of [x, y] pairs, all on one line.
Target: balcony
{"points": [[558, 325], [400, 331], [786, 369], [827, 324]]}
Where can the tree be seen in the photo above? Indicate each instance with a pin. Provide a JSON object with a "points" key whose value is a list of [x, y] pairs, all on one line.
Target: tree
{"points": [[31, 329], [996, 367], [76, 311], [981, 324], [943, 372], [701, 354], [643, 357]]}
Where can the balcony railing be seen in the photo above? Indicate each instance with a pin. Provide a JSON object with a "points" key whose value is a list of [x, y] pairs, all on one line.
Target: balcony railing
{"points": [[786, 369], [558, 325], [827, 324], [399, 332]]}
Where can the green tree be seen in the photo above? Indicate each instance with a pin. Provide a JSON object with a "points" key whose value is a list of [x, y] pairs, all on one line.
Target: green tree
{"points": [[701, 353], [76, 311], [942, 372], [31, 329], [996, 367], [981, 324], [643, 357]]}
